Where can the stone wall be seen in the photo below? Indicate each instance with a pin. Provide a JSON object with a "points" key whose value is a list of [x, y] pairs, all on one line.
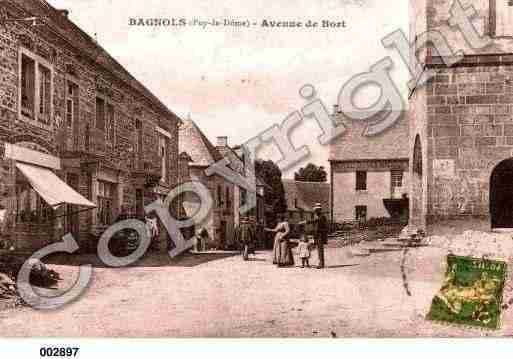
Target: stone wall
{"points": [[95, 74], [470, 130]]}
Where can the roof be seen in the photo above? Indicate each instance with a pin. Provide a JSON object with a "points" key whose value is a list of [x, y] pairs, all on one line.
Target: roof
{"points": [[59, 23], [353, 145], [235, 161], [307, 194], [193, 142]]}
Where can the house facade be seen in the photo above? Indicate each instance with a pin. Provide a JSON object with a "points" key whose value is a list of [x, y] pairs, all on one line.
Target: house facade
{"points": [[461, 130], [72, 114], [195, 147], [368, 173]]}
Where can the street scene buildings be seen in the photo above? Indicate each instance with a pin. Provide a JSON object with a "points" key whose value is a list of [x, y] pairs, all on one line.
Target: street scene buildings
{"points": [[74, 116], [372, 172], [359, 249]]}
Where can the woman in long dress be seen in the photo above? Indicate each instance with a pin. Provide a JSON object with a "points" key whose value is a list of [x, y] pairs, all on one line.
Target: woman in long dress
{"points": [[282, 252]]}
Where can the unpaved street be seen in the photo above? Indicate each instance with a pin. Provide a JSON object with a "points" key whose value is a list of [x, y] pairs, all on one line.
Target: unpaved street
{"points": [[219, 295]]}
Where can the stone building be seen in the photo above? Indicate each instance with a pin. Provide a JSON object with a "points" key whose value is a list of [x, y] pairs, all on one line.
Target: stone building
{"points": [[201, 153], [72, 114], [366, 172], [461, 130]]}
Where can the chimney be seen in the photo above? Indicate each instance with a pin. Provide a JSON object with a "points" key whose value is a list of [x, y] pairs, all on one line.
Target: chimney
{"points": [[64, 12], [222, 141]]}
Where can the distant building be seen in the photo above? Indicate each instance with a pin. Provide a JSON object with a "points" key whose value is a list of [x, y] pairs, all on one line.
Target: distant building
{"points": [[80, 138], [367, 171], [241, 162], [200, 153], [302, 197]]}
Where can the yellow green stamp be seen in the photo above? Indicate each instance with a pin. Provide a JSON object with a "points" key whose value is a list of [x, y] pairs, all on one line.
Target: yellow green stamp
{"points": [[471, 293]]}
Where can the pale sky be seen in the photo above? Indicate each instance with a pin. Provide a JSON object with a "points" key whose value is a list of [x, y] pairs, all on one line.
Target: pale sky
{"points": [[237, 82]]}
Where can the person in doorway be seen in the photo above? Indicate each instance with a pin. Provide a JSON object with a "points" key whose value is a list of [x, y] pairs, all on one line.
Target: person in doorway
{"points": [[201, 240]]}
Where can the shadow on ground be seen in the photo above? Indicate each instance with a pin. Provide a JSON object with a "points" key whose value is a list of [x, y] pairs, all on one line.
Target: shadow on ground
{"points": [[149, 260]]}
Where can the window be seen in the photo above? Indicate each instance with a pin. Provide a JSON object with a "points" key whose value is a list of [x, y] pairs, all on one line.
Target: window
{"points": [[71, 104], [361, 213], [106, 196], [139, 203], [35, 88], [139, 139], [44, 94], [501, 17], [163, 157], [111, 124], [361, 181], [100, 114], [87, 138], [219, 196], [396, 177], [243, 196], [30, 207], [228, 198], [28, 78]]}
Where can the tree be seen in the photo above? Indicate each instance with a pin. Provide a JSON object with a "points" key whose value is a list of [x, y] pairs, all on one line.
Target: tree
{"points": [[274, 196], [311, 173]]}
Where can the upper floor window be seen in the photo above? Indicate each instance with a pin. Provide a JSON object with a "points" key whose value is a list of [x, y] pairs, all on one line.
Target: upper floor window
{"points": [[163, 157], [100, 114], [111, 122], [139, 139], [228, 198], [71, 104], [361, 181], [501, 18], [36, 79], [219, 196], [396, 177]]}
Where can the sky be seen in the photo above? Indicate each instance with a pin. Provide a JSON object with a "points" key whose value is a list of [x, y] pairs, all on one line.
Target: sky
{"points": [[238, 81]]}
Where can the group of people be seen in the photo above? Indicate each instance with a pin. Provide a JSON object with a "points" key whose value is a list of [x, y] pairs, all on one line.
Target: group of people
{"points": [[282, 251]]}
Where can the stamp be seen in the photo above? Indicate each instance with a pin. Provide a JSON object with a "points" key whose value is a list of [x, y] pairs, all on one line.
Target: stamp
{"points": [[471, 293]]}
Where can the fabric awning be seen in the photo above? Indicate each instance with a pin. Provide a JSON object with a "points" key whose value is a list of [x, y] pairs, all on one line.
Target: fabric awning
{"points": [[51, 188]]}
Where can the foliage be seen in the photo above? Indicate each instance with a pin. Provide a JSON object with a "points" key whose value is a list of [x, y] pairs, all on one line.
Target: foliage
{"points": [[311, 173], [274, 197]]}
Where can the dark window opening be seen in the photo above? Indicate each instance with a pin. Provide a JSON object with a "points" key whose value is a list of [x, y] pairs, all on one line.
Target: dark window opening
{"points": [[361, 181]]}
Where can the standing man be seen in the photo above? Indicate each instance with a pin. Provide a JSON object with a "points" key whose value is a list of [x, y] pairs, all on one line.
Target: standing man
{"points": [[320, 231], [245, 236]]}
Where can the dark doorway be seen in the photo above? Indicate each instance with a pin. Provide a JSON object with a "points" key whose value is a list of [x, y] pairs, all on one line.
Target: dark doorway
{"points": [[501, 195], [72, 217]]}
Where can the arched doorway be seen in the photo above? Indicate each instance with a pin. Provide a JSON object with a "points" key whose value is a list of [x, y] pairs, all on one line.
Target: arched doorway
{"points": [[501, 195]]}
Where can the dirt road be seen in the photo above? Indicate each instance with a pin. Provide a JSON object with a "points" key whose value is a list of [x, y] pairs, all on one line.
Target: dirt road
{"points": [[219, 295]]}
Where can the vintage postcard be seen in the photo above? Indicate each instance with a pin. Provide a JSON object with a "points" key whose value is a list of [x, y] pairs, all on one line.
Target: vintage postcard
{"points": [[265, 169]]}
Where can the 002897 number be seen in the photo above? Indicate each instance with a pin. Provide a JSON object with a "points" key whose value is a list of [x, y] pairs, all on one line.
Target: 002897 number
{"points": [[58, 352]]}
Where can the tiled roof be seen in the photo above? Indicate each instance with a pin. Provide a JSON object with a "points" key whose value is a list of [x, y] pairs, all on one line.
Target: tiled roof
{"points": [[352, 145], [307, 194], [196, 145]]}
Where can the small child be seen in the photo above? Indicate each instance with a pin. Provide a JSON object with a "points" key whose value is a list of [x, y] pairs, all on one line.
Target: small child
{"points": [[304, 252]]}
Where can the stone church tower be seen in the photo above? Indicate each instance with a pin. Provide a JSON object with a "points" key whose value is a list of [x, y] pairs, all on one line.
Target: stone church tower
{"points": [[461, 121]]}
